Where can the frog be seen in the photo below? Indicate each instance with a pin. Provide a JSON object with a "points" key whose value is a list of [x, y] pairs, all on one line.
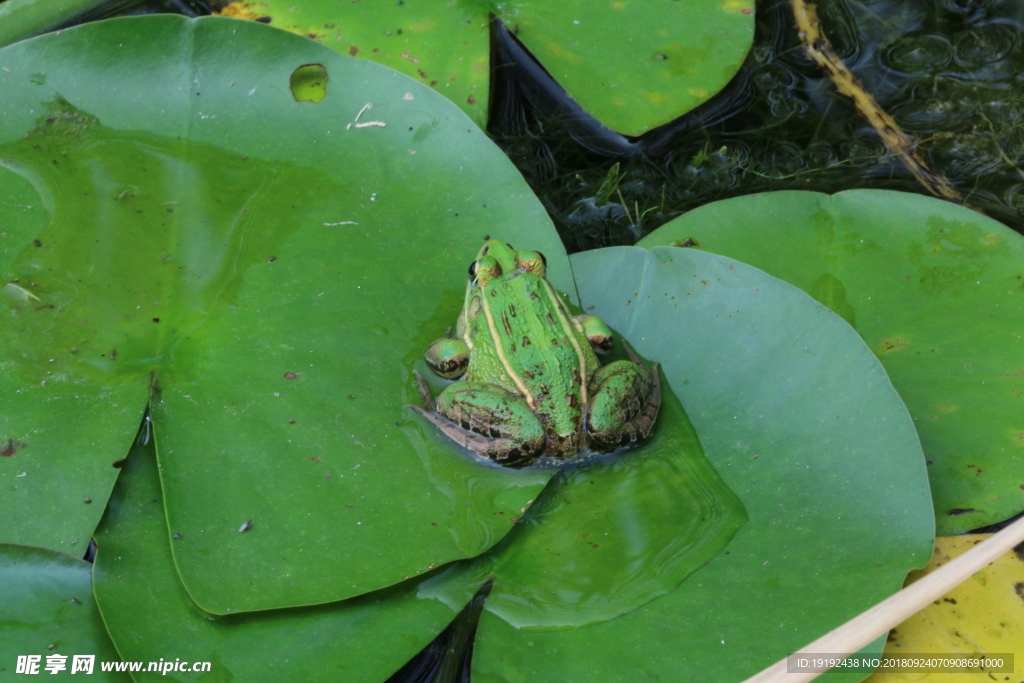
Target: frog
{"points": [[528, 380]]}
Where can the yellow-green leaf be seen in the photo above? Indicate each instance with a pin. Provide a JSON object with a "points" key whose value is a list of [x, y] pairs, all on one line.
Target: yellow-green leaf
{"points": [[982, 615]]}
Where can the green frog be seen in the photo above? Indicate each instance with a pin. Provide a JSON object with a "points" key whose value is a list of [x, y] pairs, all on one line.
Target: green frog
{"points": [[532, 385]]}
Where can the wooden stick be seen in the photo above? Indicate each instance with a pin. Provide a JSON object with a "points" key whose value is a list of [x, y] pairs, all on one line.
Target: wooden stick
{"points": [[902, 145], [862, 629]]}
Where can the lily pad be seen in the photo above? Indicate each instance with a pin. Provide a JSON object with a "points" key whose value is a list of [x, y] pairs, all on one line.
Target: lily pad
{"points": [[271, 270], [802, 423], [363, 639], [632, 65], [936, 291], [48, 613]]}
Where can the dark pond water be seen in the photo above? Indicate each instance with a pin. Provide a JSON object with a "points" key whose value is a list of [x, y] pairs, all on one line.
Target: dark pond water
{"points": [[949, 71]]}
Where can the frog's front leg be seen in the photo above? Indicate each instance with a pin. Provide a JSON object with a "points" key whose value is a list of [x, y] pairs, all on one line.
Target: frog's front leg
{"points": [[448, 357], [624, 402], [488, 420], [596, 331]]}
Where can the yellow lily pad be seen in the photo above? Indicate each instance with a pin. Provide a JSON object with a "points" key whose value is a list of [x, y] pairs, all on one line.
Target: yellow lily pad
{"points": [[980, 616]]}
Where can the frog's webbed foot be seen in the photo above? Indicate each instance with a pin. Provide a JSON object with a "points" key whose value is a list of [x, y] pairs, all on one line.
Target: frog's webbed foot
{"points": [[624, 403], [488, 420]]}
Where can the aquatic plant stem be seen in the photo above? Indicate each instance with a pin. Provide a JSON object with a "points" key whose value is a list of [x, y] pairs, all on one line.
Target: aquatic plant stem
{"points": [[21, 19], [899, 143], [865, 627]]}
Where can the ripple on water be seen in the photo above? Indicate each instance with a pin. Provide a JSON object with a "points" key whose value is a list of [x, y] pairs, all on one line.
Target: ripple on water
{"points": [[914, 53], [935, 104], [982, 46]]}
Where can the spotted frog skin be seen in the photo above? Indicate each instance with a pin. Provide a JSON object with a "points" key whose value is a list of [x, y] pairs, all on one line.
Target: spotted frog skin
{"points": [[532, 385]]}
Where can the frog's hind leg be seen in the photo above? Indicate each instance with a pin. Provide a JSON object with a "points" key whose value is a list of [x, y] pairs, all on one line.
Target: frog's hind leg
{"points": [[488, 420], [624, 403]]}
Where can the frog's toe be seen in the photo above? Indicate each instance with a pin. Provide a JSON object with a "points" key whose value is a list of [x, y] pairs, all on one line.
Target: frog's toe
{"points": [[428, 400]]}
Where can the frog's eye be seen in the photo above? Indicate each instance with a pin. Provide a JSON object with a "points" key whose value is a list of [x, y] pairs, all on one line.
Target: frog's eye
{"points": [[483, 270], [531, 262]]}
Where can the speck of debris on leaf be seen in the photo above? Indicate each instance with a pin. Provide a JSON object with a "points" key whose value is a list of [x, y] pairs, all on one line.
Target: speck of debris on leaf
{"points": [[10, 447]]}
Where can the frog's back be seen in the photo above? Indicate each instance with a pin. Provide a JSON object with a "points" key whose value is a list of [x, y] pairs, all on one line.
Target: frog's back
{"points": [[536, 350]]}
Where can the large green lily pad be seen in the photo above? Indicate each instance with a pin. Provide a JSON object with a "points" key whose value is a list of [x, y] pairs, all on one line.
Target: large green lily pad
{"points": [[363, 639], [48, 612], [271, 270], [802, 423], [632, 64], [937, 292]]}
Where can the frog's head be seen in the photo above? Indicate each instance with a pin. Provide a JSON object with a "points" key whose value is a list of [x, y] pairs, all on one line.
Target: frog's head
{"points": [[497, 259]]}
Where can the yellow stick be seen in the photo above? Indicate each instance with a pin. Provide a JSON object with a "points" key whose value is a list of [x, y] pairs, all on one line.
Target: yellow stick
{"points": [[898, 142]]}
